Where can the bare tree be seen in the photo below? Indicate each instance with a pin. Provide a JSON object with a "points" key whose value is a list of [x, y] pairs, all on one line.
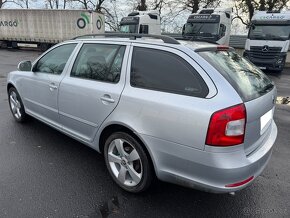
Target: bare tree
{"points": [[3, 2], [142, 6], [195, 5], [53, 4], [20, 3], [113, 15], [96, 5], [85, 3], [249, 6]]}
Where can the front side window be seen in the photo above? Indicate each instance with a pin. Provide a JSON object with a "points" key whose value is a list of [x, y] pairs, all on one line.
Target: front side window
{"points": [[167, 72], [99, 62], [55, 60]]}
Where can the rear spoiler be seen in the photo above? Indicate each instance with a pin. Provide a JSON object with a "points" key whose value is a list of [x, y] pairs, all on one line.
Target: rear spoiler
{"points": [[215, 48]]}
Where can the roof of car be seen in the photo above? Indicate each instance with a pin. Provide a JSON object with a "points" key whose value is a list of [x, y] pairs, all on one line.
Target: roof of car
{"points": [[149, 39]]}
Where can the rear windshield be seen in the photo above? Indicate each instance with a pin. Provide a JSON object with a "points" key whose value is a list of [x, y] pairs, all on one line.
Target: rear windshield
{"points": [[248, 80]]}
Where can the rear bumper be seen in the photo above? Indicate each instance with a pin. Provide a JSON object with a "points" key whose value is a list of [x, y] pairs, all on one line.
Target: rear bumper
{"points": [[208, 171]]}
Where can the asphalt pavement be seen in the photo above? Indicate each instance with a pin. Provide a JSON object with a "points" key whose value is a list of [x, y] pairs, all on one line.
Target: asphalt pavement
{"points": [[44, 173]]}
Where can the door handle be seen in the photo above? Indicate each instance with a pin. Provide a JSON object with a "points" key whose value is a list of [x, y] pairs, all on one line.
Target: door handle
{"points": [[107, 98], [52, 86]]}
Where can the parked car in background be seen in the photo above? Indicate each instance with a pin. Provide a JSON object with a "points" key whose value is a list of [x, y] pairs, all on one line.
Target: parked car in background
{"points": [[191, 113]]}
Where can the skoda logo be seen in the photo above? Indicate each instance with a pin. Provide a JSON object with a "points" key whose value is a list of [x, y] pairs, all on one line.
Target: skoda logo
{"points": [[265, 48]]}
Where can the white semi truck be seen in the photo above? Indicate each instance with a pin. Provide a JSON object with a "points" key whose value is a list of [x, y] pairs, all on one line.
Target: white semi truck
{"points": [[268, 39], [211, 24], [144, 22], [47, 27]]}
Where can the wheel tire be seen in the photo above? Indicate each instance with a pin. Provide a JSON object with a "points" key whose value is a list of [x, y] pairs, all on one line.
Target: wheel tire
{"points": [[43, 46], [141, 167], [16, 105]]}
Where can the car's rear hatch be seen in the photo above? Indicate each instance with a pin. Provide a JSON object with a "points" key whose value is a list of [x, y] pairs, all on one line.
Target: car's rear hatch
{"points": [[255, 89]]}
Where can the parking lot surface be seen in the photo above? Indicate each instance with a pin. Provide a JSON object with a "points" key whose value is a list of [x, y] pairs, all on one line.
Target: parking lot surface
{"points": [[44, 173]]}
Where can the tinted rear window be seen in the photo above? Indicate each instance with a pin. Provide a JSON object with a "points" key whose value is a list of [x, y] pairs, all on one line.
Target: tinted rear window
{"points": [[248, 80], [167, 72]]}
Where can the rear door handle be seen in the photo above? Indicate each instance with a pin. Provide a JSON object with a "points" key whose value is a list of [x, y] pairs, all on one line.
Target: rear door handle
{"points": [[107, 98], [52, 86]]}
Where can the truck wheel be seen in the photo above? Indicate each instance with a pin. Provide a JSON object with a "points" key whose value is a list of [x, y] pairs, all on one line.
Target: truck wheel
{"points": [[43, 46], [14, 45], [3, 44], [127, 162]]}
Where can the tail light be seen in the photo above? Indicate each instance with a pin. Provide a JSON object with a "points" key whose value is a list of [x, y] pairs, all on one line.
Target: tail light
{"points": [[227, 127]]}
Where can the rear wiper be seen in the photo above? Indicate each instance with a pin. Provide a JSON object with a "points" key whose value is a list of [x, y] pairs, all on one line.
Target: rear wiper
{"points": [[267, 88]]}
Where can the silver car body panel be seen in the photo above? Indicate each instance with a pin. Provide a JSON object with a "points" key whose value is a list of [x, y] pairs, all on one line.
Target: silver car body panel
{"points": [[172, 127], [81, 108]]}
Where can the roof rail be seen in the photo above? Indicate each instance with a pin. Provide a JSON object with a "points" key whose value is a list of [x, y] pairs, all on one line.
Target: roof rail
{"points": [[132, 36]]}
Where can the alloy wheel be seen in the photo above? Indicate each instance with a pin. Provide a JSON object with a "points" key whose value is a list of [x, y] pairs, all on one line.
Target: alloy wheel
{"points": [[125, 162]]}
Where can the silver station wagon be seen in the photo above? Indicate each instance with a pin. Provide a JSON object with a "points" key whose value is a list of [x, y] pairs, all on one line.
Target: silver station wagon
{"points": [[191, 113]]}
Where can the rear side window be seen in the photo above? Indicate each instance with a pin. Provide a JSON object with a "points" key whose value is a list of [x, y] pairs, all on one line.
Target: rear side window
{"points": [[99, 62], [167, 72], [248, 80]]}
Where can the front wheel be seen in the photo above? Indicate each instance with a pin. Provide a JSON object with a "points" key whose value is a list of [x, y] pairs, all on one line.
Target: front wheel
{"points": [[127, 162], [16, 105]]}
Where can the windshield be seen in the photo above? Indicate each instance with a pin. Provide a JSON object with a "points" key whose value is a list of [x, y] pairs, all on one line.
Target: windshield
{"points": [[248, 80], [201, 28], [269, 32], [129, 28]]}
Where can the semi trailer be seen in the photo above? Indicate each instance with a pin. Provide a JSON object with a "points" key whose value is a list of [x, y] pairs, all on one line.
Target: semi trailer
{"points": [[47, 27]]}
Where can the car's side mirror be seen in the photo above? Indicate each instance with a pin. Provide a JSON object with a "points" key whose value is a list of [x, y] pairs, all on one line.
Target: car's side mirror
{"points": [[24, 66]]}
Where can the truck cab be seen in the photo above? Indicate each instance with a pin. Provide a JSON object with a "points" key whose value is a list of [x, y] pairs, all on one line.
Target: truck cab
{"points": [[144, 22], [209, 24], [268, 39]]}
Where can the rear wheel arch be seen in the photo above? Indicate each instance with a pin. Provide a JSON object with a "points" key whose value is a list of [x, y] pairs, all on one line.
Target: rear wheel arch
{"points": [[113, 128]]}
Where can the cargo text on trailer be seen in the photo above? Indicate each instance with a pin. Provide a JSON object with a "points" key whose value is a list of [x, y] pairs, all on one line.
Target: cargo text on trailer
{"points": [[209, 24], [268, 39]]}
